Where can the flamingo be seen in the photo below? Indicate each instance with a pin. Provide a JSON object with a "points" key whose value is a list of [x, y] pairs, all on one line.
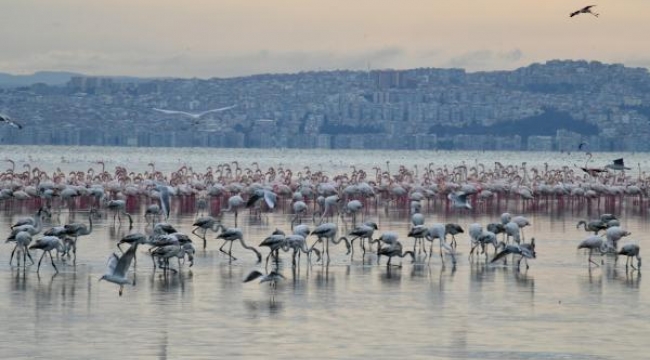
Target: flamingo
{"points": [[362, 232], [418, 233], [47, 244], [521, 222], [299, 208], [206, 223], [328, 232], [233, 234], [235, 203], [614, 234], [592, 243], [453, 229], [76, 230], [630, 251], [439, 231], [485, 238], [119, 207], [32, 220], [592, 225], [22, 238], [274, 243], [353, 207], [394, 250]]}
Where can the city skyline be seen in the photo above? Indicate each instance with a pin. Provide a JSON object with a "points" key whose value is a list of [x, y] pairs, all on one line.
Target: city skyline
{"points": [[230, 38]]}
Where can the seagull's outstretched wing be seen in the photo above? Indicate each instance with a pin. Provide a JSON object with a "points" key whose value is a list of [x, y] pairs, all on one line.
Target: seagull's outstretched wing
{"points": [[111, 264], [270, 198], [276, 274], [124, 262], [216, 110], [175, 112], [193, 115], [10, 121], [253, 199], [253, 275], [164, 199]]}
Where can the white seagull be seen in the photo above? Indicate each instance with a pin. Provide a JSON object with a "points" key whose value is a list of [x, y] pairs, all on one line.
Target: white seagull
{"points": [[118, 267], [584, 10], [6, 119], [193, 115]]}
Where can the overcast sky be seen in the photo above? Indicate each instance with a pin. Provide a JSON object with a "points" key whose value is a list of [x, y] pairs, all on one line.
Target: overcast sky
{"points": [[224, 38]]}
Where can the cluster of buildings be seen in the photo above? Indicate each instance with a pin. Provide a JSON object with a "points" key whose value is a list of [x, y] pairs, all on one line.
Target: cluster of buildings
{"points": [[381, 109]]}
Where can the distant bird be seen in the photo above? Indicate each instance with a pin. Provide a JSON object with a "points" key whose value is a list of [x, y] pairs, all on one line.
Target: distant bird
{"points": [[193, 115], [631, 250], [6, 119], [118, 266], [582, 145], [584, 10], [617, 165], [459, 200], [273, 277]]}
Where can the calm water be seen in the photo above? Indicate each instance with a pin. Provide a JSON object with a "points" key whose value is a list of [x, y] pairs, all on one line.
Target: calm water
{"points": [[558, 309]]}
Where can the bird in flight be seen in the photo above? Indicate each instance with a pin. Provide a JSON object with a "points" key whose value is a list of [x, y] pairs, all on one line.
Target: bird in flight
{"points": [[584, 10], [193, 115], [6, 119]]}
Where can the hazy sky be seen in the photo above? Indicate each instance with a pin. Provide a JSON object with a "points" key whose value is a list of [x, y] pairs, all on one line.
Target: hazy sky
{"points": [[223, 38]]}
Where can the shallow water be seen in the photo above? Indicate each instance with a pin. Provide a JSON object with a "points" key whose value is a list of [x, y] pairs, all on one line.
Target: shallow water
{"points": [[557, 309]]}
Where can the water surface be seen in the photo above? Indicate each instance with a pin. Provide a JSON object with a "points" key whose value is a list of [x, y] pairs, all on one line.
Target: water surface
{"points": [[558, 309]]}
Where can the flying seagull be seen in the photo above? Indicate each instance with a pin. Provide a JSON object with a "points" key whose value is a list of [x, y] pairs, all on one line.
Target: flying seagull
{"points": [[193, 115], [118, 267], [6, 119], [584, 10]]}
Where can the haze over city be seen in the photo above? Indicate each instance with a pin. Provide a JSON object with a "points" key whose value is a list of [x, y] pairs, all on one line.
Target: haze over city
{"points": [[201, 38]]}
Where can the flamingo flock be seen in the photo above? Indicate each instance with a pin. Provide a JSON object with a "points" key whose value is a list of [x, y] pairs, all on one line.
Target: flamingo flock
{"points": [[321, 208]]}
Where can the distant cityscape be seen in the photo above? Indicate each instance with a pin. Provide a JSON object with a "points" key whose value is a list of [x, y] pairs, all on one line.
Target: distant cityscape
{"points": [[554, 106]]}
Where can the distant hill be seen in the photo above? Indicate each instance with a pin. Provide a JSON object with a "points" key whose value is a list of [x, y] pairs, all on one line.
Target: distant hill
{"points": [[547, 123], [52, 78]]}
